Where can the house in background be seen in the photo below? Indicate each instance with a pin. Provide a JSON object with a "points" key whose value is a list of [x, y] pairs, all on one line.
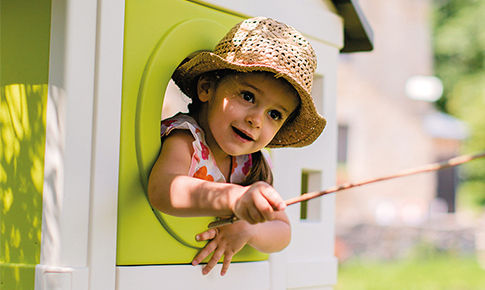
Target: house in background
{"points": [[383, 130]]}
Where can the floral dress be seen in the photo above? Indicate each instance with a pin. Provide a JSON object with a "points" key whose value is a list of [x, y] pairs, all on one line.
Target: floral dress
{"points": [[203, 164]]}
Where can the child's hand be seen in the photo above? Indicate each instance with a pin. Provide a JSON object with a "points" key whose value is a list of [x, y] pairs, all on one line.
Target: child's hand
{"points": [[258, 203], [225, 240]]}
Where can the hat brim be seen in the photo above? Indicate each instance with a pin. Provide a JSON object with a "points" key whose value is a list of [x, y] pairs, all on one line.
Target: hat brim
{"points": [[301, 131]]}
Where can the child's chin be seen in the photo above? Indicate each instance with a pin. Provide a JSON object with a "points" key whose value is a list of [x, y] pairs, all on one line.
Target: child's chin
{"points": [[238, 152]]}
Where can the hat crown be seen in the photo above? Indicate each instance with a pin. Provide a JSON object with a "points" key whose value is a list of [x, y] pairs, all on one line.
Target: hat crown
{"points": [[268, 43]]}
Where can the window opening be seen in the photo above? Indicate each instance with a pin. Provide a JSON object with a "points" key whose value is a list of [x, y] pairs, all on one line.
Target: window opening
{"points": [[310, 181]]}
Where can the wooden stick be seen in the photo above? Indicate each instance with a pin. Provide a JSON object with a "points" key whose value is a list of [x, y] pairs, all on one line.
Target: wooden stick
{"points": [[311, 195]]}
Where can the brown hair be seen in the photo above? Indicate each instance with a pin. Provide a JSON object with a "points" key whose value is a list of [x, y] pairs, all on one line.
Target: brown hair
{"points": [[260, 170]]}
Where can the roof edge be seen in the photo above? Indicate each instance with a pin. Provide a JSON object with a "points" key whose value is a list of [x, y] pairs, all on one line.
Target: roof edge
{"points": [[358, 34]]}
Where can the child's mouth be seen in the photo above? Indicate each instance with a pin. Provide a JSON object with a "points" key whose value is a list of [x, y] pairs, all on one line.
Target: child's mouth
{"points": [[242, 134]]}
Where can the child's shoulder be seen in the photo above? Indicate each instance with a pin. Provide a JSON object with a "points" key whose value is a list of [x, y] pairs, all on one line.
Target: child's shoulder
{"points": [[178, 138], [177, 134], [179, 122]]}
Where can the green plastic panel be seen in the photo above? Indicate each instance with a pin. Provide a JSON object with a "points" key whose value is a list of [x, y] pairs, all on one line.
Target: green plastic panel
{"points": [[158, 36], [24, 60]]}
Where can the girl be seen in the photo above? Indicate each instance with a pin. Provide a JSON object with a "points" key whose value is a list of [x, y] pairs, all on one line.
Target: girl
{"points": [[251, 92]]}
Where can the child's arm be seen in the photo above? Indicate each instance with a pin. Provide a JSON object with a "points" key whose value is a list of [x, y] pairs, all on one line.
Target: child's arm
{"points": [[173, 192], [272, 236]]}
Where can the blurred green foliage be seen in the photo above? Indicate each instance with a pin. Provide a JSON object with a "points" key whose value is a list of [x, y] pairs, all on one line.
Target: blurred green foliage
{"points": [[459, 52]]}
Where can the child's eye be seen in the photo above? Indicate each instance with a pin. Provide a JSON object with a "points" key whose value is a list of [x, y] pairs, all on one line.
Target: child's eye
{"points": [[248, 96], [275, 115]]}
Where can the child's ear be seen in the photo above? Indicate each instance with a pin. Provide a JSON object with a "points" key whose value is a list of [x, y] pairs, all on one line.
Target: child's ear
{"points": [[205, 87]]}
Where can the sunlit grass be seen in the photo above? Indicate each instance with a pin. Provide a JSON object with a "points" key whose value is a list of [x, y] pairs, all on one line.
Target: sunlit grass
{"points": [[443, 272]]}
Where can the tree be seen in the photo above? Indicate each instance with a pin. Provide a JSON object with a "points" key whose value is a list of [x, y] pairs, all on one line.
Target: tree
{"points": [[459, 52]]}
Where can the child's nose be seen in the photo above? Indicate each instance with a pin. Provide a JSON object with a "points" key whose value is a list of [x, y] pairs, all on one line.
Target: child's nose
{"points": [[255, 118]]}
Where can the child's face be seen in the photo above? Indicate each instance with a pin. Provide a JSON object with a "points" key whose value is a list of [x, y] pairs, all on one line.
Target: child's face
{"points": [[245, 111]]}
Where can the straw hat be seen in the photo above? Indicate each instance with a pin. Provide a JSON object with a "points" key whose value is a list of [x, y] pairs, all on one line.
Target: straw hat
{"points": [[264, 44]]}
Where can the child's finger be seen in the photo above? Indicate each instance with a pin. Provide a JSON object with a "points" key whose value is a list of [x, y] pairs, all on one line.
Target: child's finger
{"points": [[255, 215], [265, 209], [209, 248], [207, 235], [274, 198], [213, 261], [226, 263]]}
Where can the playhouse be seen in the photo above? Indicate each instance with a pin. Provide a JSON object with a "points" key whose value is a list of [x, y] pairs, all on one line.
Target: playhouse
{"points": [[82, 86]]}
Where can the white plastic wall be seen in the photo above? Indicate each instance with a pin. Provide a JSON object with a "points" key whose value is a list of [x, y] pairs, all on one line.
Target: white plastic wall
{"points": [[78, 248]]}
